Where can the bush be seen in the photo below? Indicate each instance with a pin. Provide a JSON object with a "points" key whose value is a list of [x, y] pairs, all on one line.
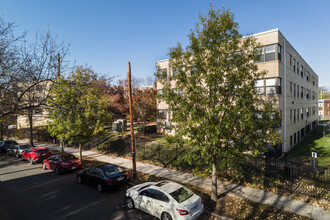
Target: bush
{"points": [[150, 129]]}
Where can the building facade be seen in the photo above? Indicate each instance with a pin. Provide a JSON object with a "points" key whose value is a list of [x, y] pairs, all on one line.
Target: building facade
{"points": [[289, 79], [324, 109]]}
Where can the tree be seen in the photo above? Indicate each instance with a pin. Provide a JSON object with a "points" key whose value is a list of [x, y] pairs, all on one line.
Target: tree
{"points": [[79, 108], [324, 93], [214, 102]]}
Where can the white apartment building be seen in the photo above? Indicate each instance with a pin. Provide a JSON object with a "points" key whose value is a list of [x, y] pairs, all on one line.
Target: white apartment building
{"points": [[289, 78]]}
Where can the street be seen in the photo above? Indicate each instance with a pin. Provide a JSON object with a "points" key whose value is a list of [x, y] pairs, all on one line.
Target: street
{"points": [[29, 192]]}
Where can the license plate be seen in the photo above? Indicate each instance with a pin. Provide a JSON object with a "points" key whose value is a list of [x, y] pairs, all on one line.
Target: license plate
{"points": [[193, 209], [73, 168], [43, 154], [120, 178]]}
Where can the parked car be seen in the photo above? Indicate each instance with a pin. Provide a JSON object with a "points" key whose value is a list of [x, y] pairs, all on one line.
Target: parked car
{"points": [[165, 200], [17, 149], [35, 155], [61, 163], [5, 144], [103, 176]]}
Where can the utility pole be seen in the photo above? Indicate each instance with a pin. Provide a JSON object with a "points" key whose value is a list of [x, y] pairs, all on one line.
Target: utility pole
{"points": [[58, 66], [131, 119], [58, 77]]}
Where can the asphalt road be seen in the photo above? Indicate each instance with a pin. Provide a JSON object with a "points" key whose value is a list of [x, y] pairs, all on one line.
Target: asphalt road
{"points": [[29, 192]]}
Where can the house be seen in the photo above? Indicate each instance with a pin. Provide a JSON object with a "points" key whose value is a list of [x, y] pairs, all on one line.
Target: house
{"points": [[324, 109]]}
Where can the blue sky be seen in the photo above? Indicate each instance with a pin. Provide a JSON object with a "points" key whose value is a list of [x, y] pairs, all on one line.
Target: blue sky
{"points": [[108, 34]]}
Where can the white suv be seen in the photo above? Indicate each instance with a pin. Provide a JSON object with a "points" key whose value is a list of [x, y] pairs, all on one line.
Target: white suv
{"points": [[165, 200]]}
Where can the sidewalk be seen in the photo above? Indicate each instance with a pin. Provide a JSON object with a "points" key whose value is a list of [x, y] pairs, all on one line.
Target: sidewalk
{"points": [[225, 188]]}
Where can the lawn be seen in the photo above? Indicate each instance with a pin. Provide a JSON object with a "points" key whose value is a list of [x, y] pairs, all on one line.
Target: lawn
{"points": [[311, 143]]}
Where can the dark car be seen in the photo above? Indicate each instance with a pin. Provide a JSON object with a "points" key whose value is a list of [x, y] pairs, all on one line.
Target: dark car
{"points": [[103, 177], [4, 145], [16, 150], [61, 163]]}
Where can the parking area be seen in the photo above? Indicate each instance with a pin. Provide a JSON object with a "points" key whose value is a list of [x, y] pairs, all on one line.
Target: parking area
{"points": [[29, 192]]}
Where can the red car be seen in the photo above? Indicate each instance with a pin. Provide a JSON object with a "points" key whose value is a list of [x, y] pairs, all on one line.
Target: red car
{"points": [[60, 163], [35, 155]]}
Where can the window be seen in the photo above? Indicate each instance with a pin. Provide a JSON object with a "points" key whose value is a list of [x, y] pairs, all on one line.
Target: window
{"points": [[290, 87], [294, 64], [162, 73], [279, 52], [320, 113], [297, 67], [269, 53], [268, 86], [260, 51], [313, 95], [174, 72], [294, 115], [307, 75], [313, 79], [298, 114], [298, 135], [160, 196], [302, 92], [291, 141], [307, 112], [297, 91], [302, 113], [307, 93], [294, 89], [294, 138], [162, 114], [290, 60], [301, 71], [290, 114], [320, 104]]}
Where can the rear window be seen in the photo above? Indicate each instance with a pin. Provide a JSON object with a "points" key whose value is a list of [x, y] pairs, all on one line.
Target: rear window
{"points": [[68, 158], [108, 171], [181, 194], [42, 151]]}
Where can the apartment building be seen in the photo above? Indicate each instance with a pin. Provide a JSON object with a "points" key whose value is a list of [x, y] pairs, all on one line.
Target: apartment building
{"points": [[324, 109], [289, 79]]}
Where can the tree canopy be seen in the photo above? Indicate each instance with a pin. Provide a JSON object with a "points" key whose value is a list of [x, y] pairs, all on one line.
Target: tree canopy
{"points": [[79, 107], [213, 101]]}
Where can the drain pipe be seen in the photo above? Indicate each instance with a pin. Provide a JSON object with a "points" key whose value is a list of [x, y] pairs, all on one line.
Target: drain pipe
{"points": [[284, 84]]}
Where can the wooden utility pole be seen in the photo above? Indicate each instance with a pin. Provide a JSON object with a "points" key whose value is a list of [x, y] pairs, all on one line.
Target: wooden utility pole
{"points": [[131, 119], [58, 66]]}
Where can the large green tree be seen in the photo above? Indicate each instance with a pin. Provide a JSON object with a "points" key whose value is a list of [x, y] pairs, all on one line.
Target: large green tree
{"points": [[213, 100], [79, 108]]}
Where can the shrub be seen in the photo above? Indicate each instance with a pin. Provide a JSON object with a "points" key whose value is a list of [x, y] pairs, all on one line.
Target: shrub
{"points": [[150, 129]]}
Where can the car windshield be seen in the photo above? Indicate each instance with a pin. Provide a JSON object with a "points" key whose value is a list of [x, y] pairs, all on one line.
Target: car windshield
{"points": [[108, 171], [68, 158], [181, 194], [42, 151]]}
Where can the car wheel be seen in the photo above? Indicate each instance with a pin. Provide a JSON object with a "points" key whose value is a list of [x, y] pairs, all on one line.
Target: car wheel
{"points": [[43, 166], [130, 203], [57, 171], [166, 216], [99, 187], [79, 180], [31, 161]]}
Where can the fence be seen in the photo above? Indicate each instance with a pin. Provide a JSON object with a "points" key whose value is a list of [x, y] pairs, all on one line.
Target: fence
{"points": [[287, 176]]}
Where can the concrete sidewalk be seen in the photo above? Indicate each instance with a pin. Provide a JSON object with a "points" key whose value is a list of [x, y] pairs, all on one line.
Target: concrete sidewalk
{"points": [[225, 188]]}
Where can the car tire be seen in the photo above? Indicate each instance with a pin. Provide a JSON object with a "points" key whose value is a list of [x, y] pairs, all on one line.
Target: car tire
{"points": [[79, 180], [44, 166], [31, 161], [166, 216], [57, 171], [99, 187], [130, 203]]}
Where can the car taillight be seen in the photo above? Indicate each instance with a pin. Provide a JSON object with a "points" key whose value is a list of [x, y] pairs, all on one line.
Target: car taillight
{"points": [[109, 180], [202, 201], [182, 212]]}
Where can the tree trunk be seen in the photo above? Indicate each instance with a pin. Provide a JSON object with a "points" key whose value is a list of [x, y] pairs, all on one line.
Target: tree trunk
{"points": [[61, 146], [80, 152], [143, 127], [30, 115], [214, 194], [1, 130]]}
